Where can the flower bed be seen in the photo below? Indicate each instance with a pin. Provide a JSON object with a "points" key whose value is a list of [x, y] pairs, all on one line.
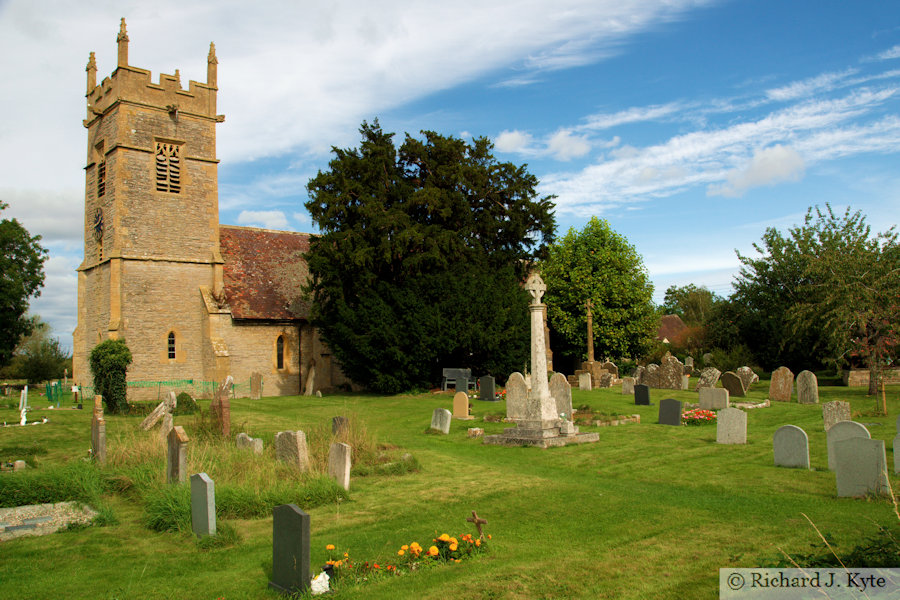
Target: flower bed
{"points": [[699, 416]]}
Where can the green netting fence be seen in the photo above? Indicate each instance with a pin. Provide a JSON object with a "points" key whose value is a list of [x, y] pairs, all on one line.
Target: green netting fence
{"points": [[157, 390]]}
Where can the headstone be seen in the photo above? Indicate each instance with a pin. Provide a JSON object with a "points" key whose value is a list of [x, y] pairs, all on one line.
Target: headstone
{"points": [[790, 445], [339, 463], [861, 468], [670, 412], [713, 398], [256, 386], [639, 373], [731, 426], [440, 420], [671, 372], [896, 448], [748, 377], [475, 432], [689, 363], [291, 448], [177, 456], [834, 412], [840, 431], [584, 381], [685, 382], [168, 423], [642, 395], [290, 549], [461, 406], [561, 392], [161, 409], [733, 383], [339, 425], [627, 385], [782, 385], [807, 388], [611, 368], [245, 441], [20, 465], [310, 386], [98, 432], [708, 377], [203, 505], [488, 388], [707, 358], [516, 392], [651, 375], [221, 407], [606, 380]]}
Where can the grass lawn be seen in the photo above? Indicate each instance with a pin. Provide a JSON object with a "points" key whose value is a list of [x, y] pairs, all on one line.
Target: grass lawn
{"points": [[649, 511]]}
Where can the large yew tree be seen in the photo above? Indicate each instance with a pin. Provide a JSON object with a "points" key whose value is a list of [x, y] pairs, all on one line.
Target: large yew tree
{"points": [[421, 256]]}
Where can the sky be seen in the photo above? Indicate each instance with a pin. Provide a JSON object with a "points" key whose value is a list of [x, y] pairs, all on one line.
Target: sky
{"points": [[691, 126]]}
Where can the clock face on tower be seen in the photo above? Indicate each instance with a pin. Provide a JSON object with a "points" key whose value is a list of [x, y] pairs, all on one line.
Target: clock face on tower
{"points": [[98, 224]]}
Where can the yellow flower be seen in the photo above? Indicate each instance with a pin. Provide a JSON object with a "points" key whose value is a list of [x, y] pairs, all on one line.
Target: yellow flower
{"points": [[478, 542], [457, 560], [453, 541], [404, 547], [433, 551], [401, 552], [339, 563], [453, 547], [329, 547], [346, 555], [444, 537]]}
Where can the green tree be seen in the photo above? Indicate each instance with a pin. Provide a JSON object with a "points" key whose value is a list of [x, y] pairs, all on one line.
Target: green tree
{"points": [[109, 362], [38, 357], [420, 258], [21, 277], [599, 265], [693, 304]]}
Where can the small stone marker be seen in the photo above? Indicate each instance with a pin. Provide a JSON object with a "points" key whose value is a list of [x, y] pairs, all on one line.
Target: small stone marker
{"points": [[708, 377], [242, 440], [840, 431], [628, 385], [440, 420], [475, 432], [790, 445], [290, 549], [256, 386], [339, 463], [584, 381], [203, 505], [478, 523], [291, 448], [731, 427], [807, 388], [642, 395], [177, 456], [516, 393], [561, 392], [98, 432], [488, 388], [689, 363], [733, 383], [834, 412], [221, 407], [782, 385], [20, 465], [670, 412], [713, 398], [340, 425], [861, 468], [461, 406]]}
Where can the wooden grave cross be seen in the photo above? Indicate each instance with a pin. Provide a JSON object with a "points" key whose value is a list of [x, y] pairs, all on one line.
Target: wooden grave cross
{"points": [[478, 523]]}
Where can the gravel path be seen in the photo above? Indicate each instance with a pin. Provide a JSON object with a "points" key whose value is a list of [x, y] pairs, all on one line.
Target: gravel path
{"points": [[41, 519]]}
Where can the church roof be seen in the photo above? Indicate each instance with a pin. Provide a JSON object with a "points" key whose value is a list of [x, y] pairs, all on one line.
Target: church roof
{"points": [[669, 327], [263, 272]]}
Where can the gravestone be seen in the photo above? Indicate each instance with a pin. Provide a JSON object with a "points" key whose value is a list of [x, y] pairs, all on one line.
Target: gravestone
{"points": [[256, 386], [561, 392], [339, 463], [834, 412], [20, 465], [707, 358], [896, 448], [176, 471], [488, 388], [731, 427], [611, 368], [639, 373], [708, 377], [671, 373], [168, 422], [642, 395], [748, 377], [474, 432], [689, 364], [713, 398], [245, 441], [440, 420], [340, 425], [290, 549], [670, 412], [651, 375], [98, 432], [516, 393], [861, 468], [584, 381], [166, 406], [807, 388], [782, 385], [840, 431], [461, 406], [203, 505], [291, 448], [606, 380], [790, 445], [733, 383], [220, 407], [685, 382], [627, 385]]}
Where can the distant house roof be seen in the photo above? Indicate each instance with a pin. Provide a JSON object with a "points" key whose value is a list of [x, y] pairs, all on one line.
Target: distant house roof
{"points": [[669, 327], [263, 272]]}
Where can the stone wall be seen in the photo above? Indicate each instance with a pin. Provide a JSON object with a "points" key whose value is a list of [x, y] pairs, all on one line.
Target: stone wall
{"points": [[860, 377]]}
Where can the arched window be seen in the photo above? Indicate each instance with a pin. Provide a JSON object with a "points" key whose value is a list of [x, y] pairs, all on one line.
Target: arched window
{"points": [[279, 352], [171, 345]]}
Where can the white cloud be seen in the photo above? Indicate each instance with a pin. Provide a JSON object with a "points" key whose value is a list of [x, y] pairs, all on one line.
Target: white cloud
{"points": [[267, 219], [890, 53], [513, 141], [56, 215], [767, 167], [564, 145], [807, 87], [57, 303], [631, 115]]}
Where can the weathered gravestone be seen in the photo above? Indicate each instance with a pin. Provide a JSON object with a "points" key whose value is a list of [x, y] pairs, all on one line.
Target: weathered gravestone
{"points": [[782, 385], [670, 412], [790, 445], [516, 393], [733, 383], [242, 440], [840, 431], [708, 377], [627, 385], [177, 455], [220, 407], [561, 392], [488, 388], [440, 420], [651, 375], [861, 468], [461, 406], [20, 465], [611, 368], [166, 406], [339, 463], [896, 448], [340, 425], [606, 380], [707, 358], [256, 381], [642, 395], [671, 373], [689, 365], [168, 422], [713, 398], [731, 427], [639, 373], [291, 448], [98, 432], [807, 388], [203, 505], [748, 377], [584, 382], [834, 412], [290, 549]]}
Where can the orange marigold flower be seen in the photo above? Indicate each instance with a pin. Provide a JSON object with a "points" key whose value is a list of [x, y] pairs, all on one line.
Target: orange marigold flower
{"points": [[444, 537], [401, 552], [453, 541], [453, 547], [346, 555], [433, 551], [489, 536], [329, 547], [404, 547], [457, 560], [478, 543]]}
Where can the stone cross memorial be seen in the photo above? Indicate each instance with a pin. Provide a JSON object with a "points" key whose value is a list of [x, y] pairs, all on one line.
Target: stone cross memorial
{"points": [[670, 412], [840, 431], [203, 505], [790, 445], [290, 549], [731, 427], [782, 385]]}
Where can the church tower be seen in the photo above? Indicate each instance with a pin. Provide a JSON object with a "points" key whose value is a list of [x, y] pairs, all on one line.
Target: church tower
{"points": [[151, 221]]}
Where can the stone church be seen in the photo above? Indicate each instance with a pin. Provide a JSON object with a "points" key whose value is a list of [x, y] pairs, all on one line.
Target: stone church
{"points": [[194, 299]]}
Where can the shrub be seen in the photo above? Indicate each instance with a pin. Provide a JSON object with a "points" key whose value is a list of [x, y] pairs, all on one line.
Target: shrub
{"points": [[109, 362], [185, 404]]}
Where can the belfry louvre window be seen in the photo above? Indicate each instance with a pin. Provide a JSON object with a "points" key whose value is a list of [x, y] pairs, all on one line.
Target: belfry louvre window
{"points": [[168, 168], [101, 179]]}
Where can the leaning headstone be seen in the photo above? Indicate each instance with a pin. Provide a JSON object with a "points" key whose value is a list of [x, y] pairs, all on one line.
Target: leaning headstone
{"points": [[242, 440], [168, 423], [642, 395], [203, 505], [733, 383], [713, 398], [98, 432], [290, 549], [291, 448], [461, 406], [339, 425], [834, 412], [488, 388], [748, 377], [177, 456], [161, 409], [256, 386], [516, 393], [861, 468], [611, 368], [221, 407], [670, 412], [731, 426], [807, 388], [671, 372], [440, 420], [627, 385], [840, 431], [561, 392], [708, 377], [782, 385], [790, 445], [584, 381], [339, 463]]}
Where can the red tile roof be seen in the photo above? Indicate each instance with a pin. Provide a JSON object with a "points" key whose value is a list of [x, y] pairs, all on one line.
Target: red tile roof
{"points": [[263, 272], [669, 327]]}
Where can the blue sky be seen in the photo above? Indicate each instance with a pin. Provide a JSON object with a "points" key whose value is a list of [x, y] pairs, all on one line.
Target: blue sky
{"points": [[690, 126]]}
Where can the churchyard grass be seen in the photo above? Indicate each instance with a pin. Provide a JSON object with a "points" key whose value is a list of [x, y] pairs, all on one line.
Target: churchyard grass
{"points": [[648, 511]]}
